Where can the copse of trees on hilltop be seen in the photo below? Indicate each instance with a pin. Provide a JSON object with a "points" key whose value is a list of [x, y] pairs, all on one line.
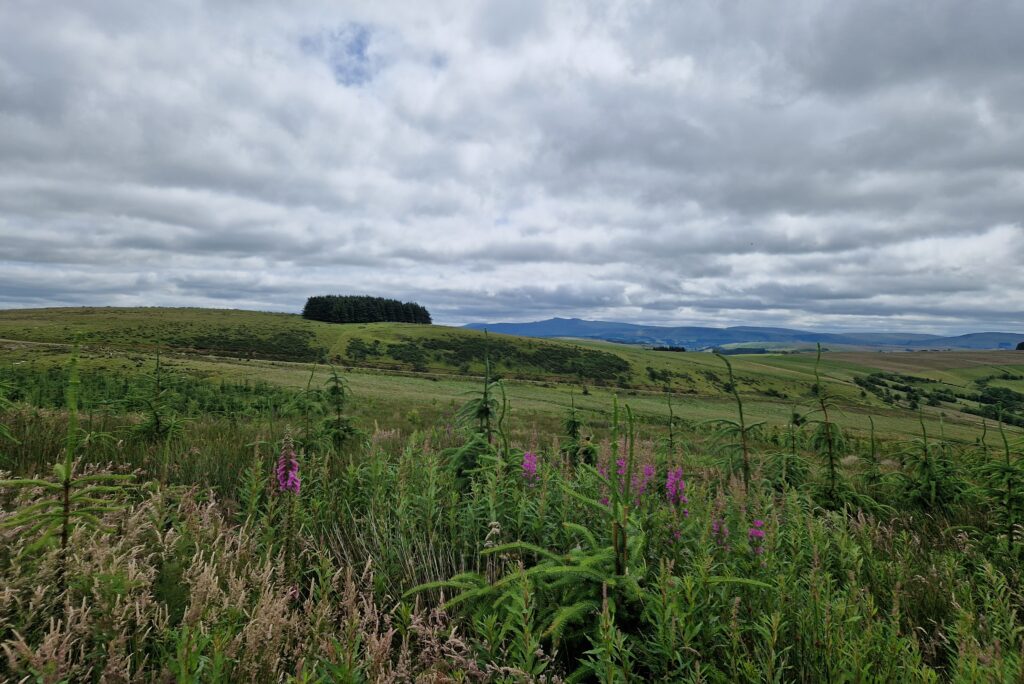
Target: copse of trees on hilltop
{"points": [[363, 309], [1020, 347]]}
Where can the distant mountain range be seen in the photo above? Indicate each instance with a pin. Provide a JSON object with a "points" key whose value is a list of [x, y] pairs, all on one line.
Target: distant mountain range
{"points": [[698, 338]]}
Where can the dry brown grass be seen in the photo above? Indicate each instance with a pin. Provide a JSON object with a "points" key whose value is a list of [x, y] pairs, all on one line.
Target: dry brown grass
{"points": [[910, 363]]}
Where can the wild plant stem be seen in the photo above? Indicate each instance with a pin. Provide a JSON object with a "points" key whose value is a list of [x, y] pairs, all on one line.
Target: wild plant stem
{"points": [[69, 461], [288, 536], [671, 431], [305, 406], [623, 556], [827, 424], [1010, 521], [744, 448]]}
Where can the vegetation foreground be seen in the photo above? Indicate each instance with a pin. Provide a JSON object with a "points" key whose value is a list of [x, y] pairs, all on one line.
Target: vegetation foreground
{"points": [[278, 541]]}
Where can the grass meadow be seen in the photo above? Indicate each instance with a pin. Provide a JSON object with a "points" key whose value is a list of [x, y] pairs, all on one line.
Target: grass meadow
{"points": [[195, 496]]}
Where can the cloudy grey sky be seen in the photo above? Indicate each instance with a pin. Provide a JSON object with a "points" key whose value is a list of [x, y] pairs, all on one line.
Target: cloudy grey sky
{"points": [[833, 164]]}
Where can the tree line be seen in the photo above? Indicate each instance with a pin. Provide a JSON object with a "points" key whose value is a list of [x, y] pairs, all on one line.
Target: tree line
{"points": [[363, 309]]}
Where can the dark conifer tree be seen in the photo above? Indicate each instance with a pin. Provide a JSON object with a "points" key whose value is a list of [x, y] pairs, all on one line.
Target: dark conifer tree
{"points": [[363, 309]]}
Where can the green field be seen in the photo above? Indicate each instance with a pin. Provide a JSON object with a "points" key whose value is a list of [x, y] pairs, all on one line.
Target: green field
{"points": [[193, 495], [421, 372]]}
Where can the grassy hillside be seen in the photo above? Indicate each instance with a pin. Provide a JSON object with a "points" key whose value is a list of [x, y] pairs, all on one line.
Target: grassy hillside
{"points": [[397, 368], [198, 517], [235, 333], [289, 337]]}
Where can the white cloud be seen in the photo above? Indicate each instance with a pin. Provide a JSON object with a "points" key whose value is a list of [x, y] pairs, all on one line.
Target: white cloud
{"points": [[812, 163]]}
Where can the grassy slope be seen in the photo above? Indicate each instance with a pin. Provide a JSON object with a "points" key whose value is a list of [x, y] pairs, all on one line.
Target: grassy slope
{"points": [[773, 384]]}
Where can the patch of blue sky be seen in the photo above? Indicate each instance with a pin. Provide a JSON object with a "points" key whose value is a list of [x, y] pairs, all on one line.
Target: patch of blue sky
{"points": [[346, 50]]}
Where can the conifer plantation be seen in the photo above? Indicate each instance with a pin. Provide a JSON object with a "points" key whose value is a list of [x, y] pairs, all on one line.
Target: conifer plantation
{"points": [[361, 309]]}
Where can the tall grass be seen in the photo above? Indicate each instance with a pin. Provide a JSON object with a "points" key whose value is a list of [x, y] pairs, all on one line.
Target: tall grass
{"points": [[482, 552]]}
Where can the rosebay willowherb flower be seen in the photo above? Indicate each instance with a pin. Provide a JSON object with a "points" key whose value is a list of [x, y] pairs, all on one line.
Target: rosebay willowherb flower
{"points": [[756, 536], [647, 474], [675, 487], [288, 479], [675, 490], [720, 533], [530, 466]]}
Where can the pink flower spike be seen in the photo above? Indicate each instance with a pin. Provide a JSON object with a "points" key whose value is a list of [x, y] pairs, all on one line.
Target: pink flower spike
{"points": [[288, 479], [530, 466], [675, 485]]}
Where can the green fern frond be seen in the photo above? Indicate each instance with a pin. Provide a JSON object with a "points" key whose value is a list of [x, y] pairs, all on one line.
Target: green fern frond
{"points": [[582, 499], [469, 595], [523, 546], [463, 581], [568, 615], [582, 531], [45, 484]]}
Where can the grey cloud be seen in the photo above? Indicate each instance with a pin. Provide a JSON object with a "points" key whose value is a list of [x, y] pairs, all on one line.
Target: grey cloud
{"points": [[839, 164], [864, 45]]}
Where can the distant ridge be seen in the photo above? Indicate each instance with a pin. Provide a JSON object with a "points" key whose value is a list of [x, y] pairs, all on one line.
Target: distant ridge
{"points": [[698, 338]]}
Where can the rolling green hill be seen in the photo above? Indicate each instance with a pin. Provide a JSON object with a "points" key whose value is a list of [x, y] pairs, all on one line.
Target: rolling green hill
{"points": [[699, 338], [430, 368], [288, 337]]}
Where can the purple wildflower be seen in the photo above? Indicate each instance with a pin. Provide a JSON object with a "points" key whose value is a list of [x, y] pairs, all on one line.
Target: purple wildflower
{"points": [[756, 532], [648, 475], [675, 486], [756, 536], [530, 466], [720, 533], [288, 479]]}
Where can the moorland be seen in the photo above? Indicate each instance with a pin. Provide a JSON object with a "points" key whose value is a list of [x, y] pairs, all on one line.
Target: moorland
{"points": [[210, 495]]}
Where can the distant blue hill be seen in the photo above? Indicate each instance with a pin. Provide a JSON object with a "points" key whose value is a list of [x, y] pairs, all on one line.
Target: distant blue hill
{"points": [[697, 338]]}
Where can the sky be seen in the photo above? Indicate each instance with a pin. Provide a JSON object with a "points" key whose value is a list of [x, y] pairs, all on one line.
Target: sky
{"points": [[832, 164]]}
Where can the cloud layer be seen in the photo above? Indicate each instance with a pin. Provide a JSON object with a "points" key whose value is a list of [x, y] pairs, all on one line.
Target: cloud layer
{"points": [[834, 164]]}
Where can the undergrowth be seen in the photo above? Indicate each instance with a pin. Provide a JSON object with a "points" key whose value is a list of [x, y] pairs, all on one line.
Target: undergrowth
{"points": [[290, 545]]}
